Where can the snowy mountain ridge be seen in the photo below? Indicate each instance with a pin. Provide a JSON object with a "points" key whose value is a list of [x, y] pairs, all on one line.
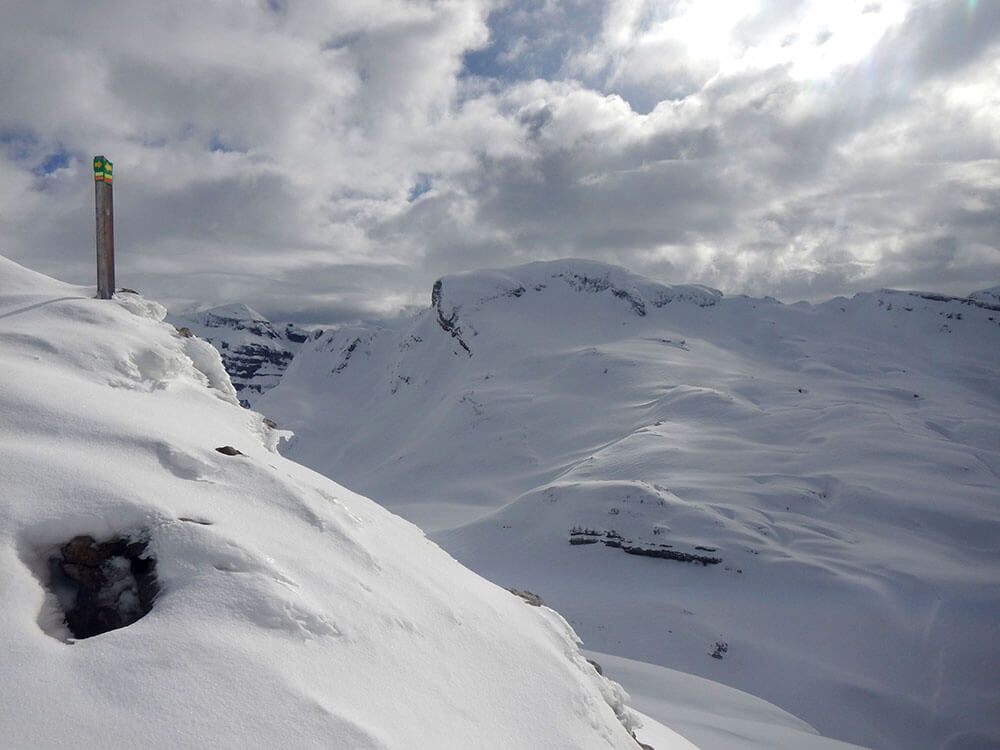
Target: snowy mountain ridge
{"points": [[738, 488], [474, 290]]}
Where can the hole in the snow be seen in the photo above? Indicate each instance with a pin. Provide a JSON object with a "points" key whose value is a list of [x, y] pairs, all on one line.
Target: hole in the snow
{"points": [[103, 586]]}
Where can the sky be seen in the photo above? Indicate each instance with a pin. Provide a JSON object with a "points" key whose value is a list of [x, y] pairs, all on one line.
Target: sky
{"points": [[326, 160]]}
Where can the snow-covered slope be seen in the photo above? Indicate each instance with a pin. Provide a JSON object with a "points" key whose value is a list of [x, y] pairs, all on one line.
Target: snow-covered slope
{"points": [[707, 713], [255, 352], [829, 473], [291, 612]]}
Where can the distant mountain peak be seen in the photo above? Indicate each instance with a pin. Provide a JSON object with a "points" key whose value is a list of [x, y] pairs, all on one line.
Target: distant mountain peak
{"points": [[233, 311], [457, 298], [473, 289], [254, 350]]}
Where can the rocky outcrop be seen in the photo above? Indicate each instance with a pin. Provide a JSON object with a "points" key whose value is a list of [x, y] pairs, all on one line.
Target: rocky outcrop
{"points": [[611, 538], [448, 322], [987, 299], [255, 351], [586, 283], [103, 586]]}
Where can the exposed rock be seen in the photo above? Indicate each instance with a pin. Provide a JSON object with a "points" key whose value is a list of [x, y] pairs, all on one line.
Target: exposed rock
{"points": [[612, 538], [986, 299], [584, 283], [667, 554], [533, 599], [228, 450], [448, 323], [348, 353], [255, 352], [720, 648], [103, 586]]}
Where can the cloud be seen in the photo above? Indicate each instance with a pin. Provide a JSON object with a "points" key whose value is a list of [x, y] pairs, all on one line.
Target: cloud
{"points": [[327, 160]]}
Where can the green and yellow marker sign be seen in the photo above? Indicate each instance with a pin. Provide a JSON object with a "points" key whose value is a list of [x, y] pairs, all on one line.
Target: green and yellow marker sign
{"points": [[102, 169]]}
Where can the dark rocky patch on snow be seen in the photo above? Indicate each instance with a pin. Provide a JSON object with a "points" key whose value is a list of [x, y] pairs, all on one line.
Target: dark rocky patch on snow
{"points": [[611, 538], [449, 323], [348, 353], [584, 283], [529, 597], [719, 649], [984, 299], [103, 586], [228, 450], [297, 335]]}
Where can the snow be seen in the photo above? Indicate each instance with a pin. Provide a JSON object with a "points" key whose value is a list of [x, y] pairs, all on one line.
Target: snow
{"points": [[708, 713], [842, 459], [292, 612]]}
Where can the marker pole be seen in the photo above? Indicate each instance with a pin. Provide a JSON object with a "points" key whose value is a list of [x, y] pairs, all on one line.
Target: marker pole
{"points": [[105, 214]]}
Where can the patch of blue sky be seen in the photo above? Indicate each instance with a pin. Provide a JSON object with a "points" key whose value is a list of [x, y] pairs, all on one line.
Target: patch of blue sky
{"points": [[220, 145], [423, 185], [531, 40], [24, 147], [58, 159]]}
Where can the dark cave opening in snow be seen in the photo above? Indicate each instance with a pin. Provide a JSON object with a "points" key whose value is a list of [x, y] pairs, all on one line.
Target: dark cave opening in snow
{"points": [[103, 586]]}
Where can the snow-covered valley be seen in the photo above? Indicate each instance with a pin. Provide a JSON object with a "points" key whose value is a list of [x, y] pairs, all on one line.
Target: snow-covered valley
{"points": [[801, 501]]}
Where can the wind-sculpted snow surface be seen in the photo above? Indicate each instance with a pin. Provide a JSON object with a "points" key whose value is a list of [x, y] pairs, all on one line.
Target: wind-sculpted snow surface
{"points": [[290, 612], [810, 494]]}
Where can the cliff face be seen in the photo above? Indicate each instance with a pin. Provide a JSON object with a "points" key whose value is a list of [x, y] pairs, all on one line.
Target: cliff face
{"points": [[254, 350]]}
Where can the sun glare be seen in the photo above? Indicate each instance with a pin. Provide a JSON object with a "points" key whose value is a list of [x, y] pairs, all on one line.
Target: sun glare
{"points": [[814, 42], [706, 27], [834, 35]]}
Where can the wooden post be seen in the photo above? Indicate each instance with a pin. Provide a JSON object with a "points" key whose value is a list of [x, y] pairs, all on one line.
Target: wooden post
{"points": [[105, 206]]}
